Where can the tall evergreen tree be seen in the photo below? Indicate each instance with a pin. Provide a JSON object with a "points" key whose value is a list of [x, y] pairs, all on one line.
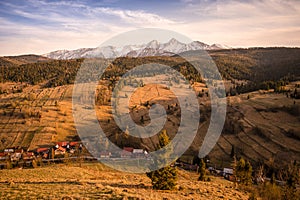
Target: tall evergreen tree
{"points": [[202, 171], [232, 153], [166, 177]]}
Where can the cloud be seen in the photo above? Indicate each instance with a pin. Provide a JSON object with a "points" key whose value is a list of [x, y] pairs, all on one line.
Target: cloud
{"points": [[136, 17], [243, 23], [42, 26], [57, 23]]}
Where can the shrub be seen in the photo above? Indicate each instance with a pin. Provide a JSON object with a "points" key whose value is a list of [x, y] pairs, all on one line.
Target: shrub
{"points": [[290, 190], [270, 191]]}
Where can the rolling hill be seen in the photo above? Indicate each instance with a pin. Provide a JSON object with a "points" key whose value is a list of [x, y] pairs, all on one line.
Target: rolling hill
{"points": [[260, 125]]}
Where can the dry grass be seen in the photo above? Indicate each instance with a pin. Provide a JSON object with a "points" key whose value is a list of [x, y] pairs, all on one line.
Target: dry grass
{"points": [[56, 122], [19, 128], [95, 181]]}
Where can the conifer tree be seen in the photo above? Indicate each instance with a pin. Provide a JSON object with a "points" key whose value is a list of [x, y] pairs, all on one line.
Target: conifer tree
{"points": [[166, 177], [202, 171]]}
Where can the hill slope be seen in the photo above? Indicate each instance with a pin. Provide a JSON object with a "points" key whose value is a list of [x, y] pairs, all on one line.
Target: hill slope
{"points": [[260, 125], [94, 181]]}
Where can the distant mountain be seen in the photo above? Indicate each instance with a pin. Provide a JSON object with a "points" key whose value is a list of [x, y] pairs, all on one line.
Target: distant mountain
{"points": [[22, 59], [153, 48]]}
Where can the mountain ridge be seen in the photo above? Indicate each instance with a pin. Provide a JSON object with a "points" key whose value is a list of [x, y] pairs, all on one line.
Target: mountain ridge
{"points": [[152, 48]]}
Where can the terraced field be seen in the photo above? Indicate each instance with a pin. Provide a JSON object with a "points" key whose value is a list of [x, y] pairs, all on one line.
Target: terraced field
{"points": [[260, 128], [264, 129], [36, 117]]}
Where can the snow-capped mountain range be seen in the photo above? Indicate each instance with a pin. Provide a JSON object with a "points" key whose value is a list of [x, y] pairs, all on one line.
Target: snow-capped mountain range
{"points": [[153, 48]]}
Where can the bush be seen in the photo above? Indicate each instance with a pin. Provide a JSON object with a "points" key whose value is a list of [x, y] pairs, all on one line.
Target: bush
{"points": [[290, 190], [270, 191], [164, 178]]}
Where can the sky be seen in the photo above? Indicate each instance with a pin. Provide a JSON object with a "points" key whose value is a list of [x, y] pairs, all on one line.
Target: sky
{"points": [[42, 26]]}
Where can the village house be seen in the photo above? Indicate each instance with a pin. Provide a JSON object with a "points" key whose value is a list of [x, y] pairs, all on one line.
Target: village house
{"points": [[126, 152], [27, 156], [139, 153], [62, 144], [4, 156], [228, 174], [9, 150], [228, 171], [60, 151], [17, 155], [105, 154], [44, 151], [73, 145]]}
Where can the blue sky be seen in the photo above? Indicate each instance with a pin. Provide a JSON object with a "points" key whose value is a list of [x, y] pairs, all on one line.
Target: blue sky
{"points": [[40, 26]]}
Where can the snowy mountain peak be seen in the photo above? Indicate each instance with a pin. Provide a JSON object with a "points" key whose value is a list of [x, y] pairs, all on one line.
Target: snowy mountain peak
{"points": [[220, 46], [153, 44], [173, 41], [153, 48]]}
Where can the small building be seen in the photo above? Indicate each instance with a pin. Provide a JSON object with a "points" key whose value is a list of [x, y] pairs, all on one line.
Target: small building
{"points": [[62, 144], [44, 152], [139, 153], [19, 150], [73, 144], [60, 151], [127, 152], [16, 156], [228, 171], [129, 149], [9, 150], [105, 154], [3, 156], [28, 156]]}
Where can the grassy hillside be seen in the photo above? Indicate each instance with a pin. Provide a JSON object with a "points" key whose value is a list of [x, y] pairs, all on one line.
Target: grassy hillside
{"points": [[94, 181], [35, 104]]}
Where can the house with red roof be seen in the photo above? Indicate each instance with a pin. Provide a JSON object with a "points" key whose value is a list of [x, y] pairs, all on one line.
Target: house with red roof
{"points": [[60, 151], [62, 144], [3, 156], [28, 156], [126, 152]]}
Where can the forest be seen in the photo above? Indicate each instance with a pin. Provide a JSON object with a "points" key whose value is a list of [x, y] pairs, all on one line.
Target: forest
{"points": [[257, 68]]}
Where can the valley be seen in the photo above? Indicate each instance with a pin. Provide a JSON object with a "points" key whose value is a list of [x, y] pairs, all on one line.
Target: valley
{"points": [[261, 125]]}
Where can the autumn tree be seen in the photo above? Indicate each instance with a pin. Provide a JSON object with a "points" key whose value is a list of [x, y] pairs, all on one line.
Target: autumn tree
{"points": [[293, 174], [243, 172]]}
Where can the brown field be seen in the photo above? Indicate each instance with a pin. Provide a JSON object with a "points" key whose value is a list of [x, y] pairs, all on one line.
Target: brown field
{"points": [[261, 127], [95, 181], [20, 124]]}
